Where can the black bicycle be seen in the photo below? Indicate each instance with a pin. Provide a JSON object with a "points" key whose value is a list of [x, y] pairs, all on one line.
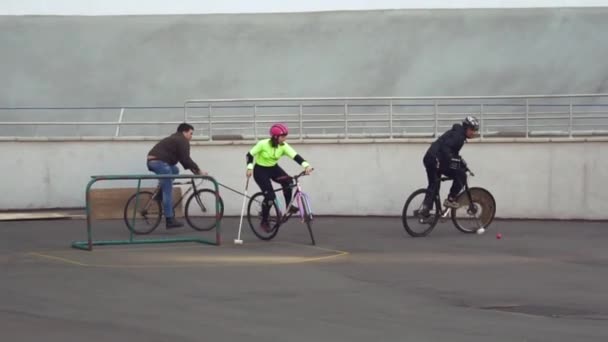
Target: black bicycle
{"points": [[476, 210], [200, 210], [275, 217]]}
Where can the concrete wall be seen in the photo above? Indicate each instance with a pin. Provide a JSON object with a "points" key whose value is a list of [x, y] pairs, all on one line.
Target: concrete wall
{"points": [[132, 7], [165, 59], [529, 180]]}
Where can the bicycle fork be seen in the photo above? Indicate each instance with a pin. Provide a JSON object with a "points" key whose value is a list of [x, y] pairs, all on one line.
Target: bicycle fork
{"points": [[302, 202]]}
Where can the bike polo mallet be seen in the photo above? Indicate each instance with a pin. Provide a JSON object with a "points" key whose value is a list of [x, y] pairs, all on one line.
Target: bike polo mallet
{"points": [[238, 240]]}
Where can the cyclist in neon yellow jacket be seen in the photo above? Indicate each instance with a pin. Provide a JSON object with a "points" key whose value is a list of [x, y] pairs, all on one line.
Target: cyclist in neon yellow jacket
{"points": [[267, 153]]}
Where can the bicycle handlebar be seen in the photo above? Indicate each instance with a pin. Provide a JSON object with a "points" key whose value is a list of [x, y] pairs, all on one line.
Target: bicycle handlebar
{"points": [[301, 174]]}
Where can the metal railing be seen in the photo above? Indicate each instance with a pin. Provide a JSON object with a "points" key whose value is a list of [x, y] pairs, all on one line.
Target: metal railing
{"points": [[336, 117], [401, 117], [89, 121]]}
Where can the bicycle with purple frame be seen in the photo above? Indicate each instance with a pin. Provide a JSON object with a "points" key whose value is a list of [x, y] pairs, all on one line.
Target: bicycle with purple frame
{"points": [[275, 217]]}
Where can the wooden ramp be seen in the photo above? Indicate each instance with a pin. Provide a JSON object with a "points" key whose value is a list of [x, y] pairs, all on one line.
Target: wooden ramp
{"points": [[110, 203], [105, 204]]}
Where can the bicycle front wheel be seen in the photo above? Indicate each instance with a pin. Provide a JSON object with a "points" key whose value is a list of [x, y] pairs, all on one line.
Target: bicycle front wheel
{"points": [[307, 213], [414, 224], [201, 212], [254, 217], [471, 216], [147, 214]]}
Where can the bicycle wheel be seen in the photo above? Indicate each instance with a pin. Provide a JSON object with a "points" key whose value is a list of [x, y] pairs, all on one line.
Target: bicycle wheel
{"points": [[254, 217], [307, 213], [200, 210], [414, 224], [147, 215], [468, 218]]}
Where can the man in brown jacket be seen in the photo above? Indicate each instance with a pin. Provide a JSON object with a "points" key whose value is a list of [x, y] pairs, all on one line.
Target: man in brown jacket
{"points": [[162, 160]]}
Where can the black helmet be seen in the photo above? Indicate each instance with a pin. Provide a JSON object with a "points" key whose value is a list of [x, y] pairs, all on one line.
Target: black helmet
{"points": [[472, 122]]}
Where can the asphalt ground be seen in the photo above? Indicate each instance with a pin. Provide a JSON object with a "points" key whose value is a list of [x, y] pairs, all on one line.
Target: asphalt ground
{"points": [[365, 280]]}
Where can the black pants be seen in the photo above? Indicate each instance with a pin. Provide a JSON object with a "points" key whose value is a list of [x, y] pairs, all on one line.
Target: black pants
{"points": [[262, 176], [433, 174]]}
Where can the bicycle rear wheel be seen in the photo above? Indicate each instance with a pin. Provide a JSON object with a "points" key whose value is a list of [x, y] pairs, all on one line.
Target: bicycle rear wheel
{"points": [[200, 210], [147, 215], [254, 217], [414, 224], [469, 217]]}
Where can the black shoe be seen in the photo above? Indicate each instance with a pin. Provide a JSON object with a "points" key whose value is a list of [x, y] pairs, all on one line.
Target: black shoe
{"points": [[265, 226], [173, 223], [424, 212]]}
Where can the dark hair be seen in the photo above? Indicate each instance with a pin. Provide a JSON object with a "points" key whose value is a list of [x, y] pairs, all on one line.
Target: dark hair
{"points": [[274, 141], [184, 127]]}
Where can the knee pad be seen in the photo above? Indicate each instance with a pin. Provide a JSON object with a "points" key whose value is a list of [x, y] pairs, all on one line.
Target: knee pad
{"points": [[268, 198]]}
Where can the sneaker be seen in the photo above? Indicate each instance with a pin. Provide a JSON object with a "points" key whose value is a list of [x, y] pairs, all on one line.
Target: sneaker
{"points": [[451, 203], [173, 223]]}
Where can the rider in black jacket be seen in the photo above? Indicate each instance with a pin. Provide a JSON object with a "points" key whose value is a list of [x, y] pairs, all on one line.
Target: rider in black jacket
{"points": [[443, 157]]}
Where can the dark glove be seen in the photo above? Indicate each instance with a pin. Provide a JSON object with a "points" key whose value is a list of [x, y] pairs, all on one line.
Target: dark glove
{"points": [[455, 163]]}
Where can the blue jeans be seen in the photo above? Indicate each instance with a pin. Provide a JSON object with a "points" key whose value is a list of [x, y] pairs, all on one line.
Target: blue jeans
{"points": [[161, 168]]}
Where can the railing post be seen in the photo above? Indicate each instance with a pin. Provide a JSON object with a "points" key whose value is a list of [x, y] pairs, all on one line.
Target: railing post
{"points": [[301, 124], [346, 121], [481, 121], [570, 124], [122, 111], [527, 117], [436, 118], [255, 126], [210, 124], [390, 119], [185, 111]]}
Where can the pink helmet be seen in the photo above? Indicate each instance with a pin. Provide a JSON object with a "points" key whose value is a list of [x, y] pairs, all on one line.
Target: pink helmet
{"points": [[278, 129]]}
